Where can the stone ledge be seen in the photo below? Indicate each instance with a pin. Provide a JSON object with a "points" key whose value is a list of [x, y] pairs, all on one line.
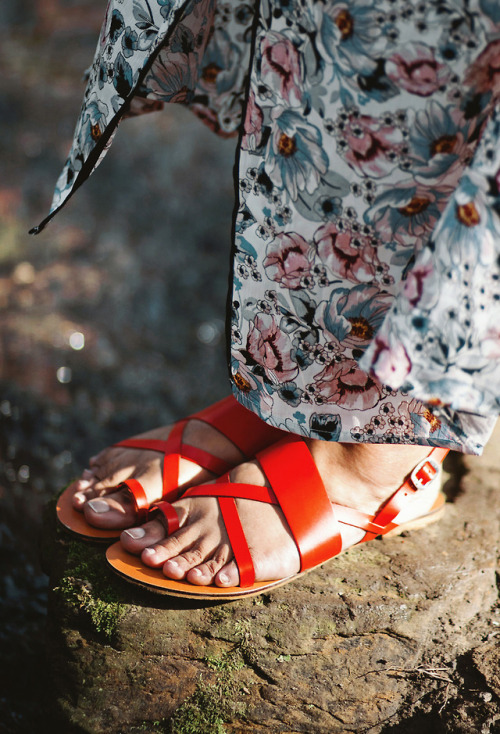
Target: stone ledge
{"points": [[373, 641]]}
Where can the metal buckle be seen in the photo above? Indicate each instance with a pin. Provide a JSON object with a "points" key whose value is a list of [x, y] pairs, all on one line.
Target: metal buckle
{"points": [[422, 482]]}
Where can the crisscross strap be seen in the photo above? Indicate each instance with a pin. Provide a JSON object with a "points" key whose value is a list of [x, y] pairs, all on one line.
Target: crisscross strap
{"points": [[299, 491], [241, 426], [226, 492], [302, 497]]}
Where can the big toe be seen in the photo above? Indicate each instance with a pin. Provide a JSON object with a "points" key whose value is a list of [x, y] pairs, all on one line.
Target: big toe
{"points": [[111, 511], [135, 540]]}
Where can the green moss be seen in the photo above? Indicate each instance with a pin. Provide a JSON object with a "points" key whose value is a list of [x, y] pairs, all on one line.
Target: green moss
{"points": [[214, 703], [151, 727], [87, 587], [227, 662], [219, 614], [203, 713]]}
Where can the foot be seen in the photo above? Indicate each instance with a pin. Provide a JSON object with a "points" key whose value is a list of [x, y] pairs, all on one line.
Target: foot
{"points": [[357, 476], [105, 508]]}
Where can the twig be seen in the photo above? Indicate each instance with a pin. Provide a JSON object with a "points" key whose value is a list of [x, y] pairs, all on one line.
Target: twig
{"points": [[435, 673], [446, 694]]}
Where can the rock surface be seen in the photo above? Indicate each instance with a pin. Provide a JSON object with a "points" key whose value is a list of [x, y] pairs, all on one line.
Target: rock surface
{"points": [[396, 635]]}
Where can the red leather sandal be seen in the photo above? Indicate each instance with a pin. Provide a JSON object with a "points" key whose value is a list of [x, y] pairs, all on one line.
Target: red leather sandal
{"points": [[313, 520], [242, 427]]}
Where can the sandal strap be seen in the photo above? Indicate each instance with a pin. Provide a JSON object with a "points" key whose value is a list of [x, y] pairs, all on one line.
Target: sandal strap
{"points": [[383, 521], [244, 429], [423, 474], [223, 487], [238, 540], [355, 518], [303, 500], [151, 444], [241, 426], [168, 515], [139, 496], [291, 471]]}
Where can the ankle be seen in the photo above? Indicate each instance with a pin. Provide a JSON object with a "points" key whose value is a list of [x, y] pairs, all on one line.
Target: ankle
{"points": [[363, 476]]}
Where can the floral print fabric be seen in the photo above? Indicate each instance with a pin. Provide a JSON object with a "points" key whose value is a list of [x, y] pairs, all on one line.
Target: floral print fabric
{"points": [[365, 282]]}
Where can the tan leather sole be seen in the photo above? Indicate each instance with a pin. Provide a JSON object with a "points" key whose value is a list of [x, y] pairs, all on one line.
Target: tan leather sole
{"points": [[132, 569]]}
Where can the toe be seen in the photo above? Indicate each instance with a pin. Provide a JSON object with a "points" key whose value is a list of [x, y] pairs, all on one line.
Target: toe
{"points": [[110, 511], [176, 563], [178, 566], [135, 540], [205, 573], [228, 575]]}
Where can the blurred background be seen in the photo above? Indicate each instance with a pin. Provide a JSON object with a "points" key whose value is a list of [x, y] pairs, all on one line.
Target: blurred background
{"points": [[112, 319]]}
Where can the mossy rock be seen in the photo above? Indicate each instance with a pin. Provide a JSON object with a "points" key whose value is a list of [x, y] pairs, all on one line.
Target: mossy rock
{"points": [[349, 647]]}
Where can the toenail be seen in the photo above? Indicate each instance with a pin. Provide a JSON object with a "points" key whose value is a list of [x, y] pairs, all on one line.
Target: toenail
{"points": [[135, 533], [173, 563], [98, 506], [149, 552], [223, 578], [196, 572], [83, 483]]}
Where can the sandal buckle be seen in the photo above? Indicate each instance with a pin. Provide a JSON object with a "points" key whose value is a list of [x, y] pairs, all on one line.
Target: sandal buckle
{"points": [[424, 473]]}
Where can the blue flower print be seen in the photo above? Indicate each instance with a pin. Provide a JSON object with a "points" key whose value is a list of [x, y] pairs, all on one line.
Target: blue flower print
{"points": [[348, 35], [437, 141], [116, 26], [295, 155], [354, 316], [220, 65], [408, 213], [290, 393], [325, 426], [93, 124], [130, 42], [167, 6]]}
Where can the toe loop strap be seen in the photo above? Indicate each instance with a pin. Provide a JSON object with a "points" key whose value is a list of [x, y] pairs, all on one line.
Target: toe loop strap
{"points": [[139, 496], [168, 513]]}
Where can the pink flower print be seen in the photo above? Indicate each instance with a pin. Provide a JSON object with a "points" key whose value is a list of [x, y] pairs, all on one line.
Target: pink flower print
{"points": [[280, 67], [390, 362], [370, 146], [288, 260], [490, 345], [484, 74], [212, 121], [346, 254], [271, 348], [253, 125], [415, 69], [345, 384], [415, 282]]}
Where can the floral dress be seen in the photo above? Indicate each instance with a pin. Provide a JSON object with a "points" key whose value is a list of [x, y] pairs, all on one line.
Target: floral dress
{"points": [[366, 267]]}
